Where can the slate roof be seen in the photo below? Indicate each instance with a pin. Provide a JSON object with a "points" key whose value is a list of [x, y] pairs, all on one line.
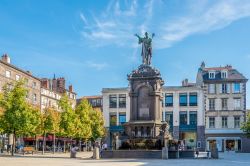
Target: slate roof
{"points": [[232, 74]]}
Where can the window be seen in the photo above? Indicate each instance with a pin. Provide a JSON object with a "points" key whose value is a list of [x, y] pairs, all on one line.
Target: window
{"points": [[169, 99], [183, 99], [122, 101], [193, 118], [236, 87], [236, 122], [34, 85], [224, 104], [112, 101], [211, 104], [34, 97], [211, 75], [93, 102], [7, 74], [122, 118], [224, 122], [237, 103], [224, 88], [183, 118], [169, 118], [224, 74], [113, 120], [17, 77], [193, 99], [211, 122], [211, 88]]}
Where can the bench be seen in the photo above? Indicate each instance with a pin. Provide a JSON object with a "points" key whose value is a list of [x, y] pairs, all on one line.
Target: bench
{"points": [[203, 155], [28, 150]]}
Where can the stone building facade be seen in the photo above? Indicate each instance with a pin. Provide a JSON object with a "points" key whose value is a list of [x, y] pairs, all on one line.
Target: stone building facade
{"points": [[10, 73], [52, 91], [225, 107]]}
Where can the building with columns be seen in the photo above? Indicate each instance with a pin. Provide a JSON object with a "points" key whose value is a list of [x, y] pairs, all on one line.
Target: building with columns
{"points": [[225, 107]]}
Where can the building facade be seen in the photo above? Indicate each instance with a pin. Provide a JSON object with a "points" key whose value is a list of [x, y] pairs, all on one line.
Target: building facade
{"points": [[225, 107], [52, 91], [95, 101], [182, 108], [10, 73]]}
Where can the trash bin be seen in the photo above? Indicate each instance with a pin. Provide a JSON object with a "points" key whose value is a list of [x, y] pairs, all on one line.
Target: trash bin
{"points": [[72, 154]]}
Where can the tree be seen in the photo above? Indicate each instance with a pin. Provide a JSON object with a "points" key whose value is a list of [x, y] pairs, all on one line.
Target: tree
{"points": [[84, 122], [246, 126], [19, 117], [50, 124], [97, 124], [68, 118]]}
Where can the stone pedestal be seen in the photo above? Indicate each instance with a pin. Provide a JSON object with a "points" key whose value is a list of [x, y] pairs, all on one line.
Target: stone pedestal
{"points": [[145, 102], [164, 153]]}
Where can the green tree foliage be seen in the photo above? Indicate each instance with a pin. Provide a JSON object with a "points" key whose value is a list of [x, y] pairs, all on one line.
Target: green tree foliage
{"points": [[246, 126], [97, 124], [68, 118], [50, 123], [84, 122], [19, 117]]}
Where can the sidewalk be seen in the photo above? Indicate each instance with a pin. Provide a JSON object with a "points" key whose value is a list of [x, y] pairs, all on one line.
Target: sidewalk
{"points": [[80, 155]]}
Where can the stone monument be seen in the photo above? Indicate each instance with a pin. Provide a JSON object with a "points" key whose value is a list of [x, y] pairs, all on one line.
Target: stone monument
{"points": [[145, 96]]}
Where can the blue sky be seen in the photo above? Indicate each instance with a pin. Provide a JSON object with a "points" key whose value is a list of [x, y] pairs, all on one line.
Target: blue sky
{"points": [[91, 43]]}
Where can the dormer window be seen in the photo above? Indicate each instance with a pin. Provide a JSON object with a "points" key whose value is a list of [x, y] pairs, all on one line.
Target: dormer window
{"points": [[211, 75], [223, 74]]}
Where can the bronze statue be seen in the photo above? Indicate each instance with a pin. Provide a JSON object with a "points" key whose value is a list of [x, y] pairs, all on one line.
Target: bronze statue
{"points": [[146, 52]]}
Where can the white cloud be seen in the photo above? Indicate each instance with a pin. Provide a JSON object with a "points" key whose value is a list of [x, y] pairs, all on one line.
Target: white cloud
{"points": [[97, 66], [117, 24]]}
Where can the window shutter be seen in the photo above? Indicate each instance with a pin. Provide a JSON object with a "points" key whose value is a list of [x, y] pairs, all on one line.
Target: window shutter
{"points": [[220, 87], [233, 84], [228, 88], [241, 87]]}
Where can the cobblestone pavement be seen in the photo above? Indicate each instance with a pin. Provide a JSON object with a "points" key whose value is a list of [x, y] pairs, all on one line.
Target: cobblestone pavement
{"points": [[83, 159]]}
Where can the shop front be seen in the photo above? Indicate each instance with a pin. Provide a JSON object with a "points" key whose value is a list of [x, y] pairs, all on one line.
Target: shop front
{"points": [[225, 143]]}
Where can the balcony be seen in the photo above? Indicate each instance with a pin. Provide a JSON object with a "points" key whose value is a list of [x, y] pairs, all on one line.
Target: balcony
{"points": [[185, 127], [116, 128]]}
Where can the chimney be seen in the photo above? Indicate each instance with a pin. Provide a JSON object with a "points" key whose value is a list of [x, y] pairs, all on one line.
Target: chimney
{"points": [[29, 72], [6, 58], [185, 82], [70, 88], [229, 66]]}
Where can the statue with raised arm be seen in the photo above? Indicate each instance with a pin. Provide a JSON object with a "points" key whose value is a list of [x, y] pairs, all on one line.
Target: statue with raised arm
{"points": [[146, 52]]}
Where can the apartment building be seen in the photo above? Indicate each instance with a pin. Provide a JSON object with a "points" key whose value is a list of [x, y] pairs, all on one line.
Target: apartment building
{"points": [[10, 73], [225, 106]]}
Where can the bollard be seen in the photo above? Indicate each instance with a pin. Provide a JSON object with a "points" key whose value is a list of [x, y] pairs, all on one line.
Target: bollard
{"points": [[164, 153]]}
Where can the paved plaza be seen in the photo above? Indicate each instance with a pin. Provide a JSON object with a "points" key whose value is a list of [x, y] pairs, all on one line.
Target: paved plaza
{"points": [[83, 159]]}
